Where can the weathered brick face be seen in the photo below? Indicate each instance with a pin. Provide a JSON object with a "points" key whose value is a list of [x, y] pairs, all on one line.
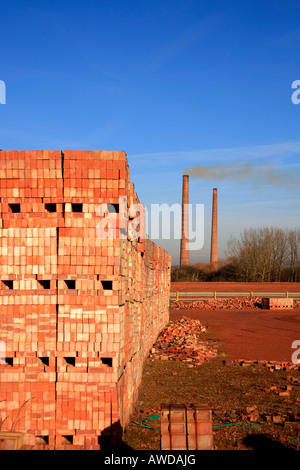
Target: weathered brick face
{"points": [[78, 312]]}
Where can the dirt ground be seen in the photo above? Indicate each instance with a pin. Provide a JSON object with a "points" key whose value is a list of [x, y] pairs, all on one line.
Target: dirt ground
{"points": [[252, 334], [228, 390]]}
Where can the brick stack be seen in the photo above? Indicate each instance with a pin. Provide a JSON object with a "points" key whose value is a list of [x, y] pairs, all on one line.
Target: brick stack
{"points": [[274, 303], [186, 427], [79, 309]]}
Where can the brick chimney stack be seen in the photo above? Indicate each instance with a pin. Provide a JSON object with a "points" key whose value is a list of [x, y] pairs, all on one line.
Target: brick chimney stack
{"points": [[214, 231], [184, 251]]}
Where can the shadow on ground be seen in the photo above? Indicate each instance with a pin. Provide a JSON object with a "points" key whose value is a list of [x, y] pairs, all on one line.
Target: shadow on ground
{"points": [[262, 442]]}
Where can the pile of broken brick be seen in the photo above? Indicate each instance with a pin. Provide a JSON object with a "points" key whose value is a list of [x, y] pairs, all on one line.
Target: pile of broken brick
{"points": [[181, 340], [234, 303], [270, 365], [252, 414]]}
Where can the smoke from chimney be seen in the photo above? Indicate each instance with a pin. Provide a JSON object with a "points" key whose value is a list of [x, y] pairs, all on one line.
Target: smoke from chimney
{"points": [[184, 251], [241, 171]]}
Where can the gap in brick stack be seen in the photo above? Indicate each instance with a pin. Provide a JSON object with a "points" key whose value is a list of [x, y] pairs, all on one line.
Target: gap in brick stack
{"points": [[78, 314]]}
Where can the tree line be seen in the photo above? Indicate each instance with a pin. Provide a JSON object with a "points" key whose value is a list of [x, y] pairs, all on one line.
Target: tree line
{"points": [[266, 254]]}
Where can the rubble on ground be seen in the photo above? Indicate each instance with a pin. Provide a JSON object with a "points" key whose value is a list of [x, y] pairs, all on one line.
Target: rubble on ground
{"points": [[270, 365], [236, 303], [233, 303], [252, 414], [180, 341]]}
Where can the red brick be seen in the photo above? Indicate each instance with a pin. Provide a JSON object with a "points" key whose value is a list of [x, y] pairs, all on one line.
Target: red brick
{"points": [[82, 323]]}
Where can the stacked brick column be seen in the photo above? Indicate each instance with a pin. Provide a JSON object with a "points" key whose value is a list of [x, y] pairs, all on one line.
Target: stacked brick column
{"points": [[186, 427], [214, 230], [184, 250], [276, 303], [78, 311]]}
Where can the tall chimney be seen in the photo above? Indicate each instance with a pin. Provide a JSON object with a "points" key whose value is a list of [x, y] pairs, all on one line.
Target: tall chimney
{"points": [[184, 251], [214, 231]]}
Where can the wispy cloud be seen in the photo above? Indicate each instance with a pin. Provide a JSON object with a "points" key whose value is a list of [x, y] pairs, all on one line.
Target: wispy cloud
{"points": [[206, 156], [287, 39], [274, 165], [262, 151], [265, 203], [98, 138], [170, 50]]}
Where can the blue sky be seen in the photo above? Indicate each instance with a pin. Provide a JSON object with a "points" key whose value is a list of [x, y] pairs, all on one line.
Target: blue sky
{"points": [[174, 84]]}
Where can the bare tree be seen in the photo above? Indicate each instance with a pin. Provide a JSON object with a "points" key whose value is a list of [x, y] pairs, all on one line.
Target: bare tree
{"points": [[293, 241], [262, 254]]}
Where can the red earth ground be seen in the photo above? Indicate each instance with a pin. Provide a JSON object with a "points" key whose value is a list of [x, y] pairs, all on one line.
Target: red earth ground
{"points": [[252, 334], [235, 286]]}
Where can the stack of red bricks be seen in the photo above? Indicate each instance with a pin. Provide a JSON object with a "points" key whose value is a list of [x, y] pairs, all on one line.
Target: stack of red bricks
{"points": [[81, 301], [274, 303], [186, 427]]}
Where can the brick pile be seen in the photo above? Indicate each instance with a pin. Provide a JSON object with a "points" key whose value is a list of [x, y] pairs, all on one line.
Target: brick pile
{"points": [[186, 427], [269, 365], [236, 303], [252, 414], [233, 303], [78, 311], [273, 303], [182, 340]]}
